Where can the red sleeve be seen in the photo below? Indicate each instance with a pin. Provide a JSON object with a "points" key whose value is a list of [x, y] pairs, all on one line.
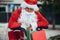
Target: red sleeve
{"points": [[42, 22], [13, 19]]}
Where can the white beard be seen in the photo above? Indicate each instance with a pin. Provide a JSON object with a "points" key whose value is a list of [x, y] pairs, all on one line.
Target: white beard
{"points": [[27, 19]]}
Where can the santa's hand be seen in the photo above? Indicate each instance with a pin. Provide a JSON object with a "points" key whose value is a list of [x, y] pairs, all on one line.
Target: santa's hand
{"points": [[29, 28]]}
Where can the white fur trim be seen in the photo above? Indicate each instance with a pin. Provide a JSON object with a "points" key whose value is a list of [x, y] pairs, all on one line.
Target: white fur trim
{"points": [[24, 5], [12, 30]]}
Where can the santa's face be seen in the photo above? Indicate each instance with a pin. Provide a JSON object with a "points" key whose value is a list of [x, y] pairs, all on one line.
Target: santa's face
{"points": [[29, 9]]}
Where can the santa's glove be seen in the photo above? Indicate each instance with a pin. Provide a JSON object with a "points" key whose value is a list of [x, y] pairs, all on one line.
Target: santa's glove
{"points": [[19, 28], [40, 28]]}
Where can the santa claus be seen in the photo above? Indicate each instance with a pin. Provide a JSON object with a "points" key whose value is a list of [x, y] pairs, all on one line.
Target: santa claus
{"points": [[26, 18]]}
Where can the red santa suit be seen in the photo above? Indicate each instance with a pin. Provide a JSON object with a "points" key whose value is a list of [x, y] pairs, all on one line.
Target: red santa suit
{"points": [[18, 19]]}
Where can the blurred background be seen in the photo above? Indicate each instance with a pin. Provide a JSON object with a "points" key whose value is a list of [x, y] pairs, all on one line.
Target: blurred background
{"points": [[50, 9]]}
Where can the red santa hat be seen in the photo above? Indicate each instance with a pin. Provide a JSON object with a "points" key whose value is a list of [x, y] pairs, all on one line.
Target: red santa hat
{"points": [[30, 4]]}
